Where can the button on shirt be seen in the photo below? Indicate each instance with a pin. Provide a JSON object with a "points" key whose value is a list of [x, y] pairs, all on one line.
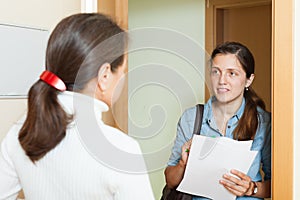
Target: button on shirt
{"points": [[261, 142]]}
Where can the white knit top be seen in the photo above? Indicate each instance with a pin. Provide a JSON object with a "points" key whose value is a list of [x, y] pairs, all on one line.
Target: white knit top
{"points": [[70, 170]]}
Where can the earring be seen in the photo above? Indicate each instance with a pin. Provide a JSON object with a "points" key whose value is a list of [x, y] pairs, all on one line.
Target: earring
{"points": [[246, 88]]}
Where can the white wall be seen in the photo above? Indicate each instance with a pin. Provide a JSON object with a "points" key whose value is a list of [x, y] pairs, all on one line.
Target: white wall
{"points": [[33, 13], [37, 13], [157, 104], [296, 100]]}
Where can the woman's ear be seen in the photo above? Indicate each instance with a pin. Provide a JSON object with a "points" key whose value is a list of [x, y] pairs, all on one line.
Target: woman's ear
{"points": [[249, 80], [104, 76]]}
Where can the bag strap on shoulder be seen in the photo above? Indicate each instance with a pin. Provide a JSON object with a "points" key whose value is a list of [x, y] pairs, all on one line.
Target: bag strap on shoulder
{"points": [[198, 119]]}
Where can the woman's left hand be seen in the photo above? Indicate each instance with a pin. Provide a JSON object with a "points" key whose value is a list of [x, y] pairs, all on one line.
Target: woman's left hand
{"points": [[241, 186]]}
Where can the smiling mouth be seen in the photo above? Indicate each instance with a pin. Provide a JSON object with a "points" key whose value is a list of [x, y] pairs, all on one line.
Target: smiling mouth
{"points": [[221, 90]]}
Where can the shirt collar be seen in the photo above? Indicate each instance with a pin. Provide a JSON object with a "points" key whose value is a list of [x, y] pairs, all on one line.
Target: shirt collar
{"points": [[66, 99]]}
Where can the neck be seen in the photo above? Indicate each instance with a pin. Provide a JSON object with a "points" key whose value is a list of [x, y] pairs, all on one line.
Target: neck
{"points": [[227, 109], [89, 89]]}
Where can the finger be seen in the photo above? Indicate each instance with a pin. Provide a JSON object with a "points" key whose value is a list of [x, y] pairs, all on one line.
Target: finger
{"points": [[189, 143], [233, 188], [245, 179], [233, 191], [187, 146], [240, 174], [233, 179], [185, 151], [241, 186]]}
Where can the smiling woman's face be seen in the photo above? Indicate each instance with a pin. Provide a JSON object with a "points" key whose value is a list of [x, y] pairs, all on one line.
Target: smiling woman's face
{"points": [[228, 78]]}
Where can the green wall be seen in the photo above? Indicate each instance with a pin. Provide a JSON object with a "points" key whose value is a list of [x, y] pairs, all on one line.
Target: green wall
{"points": [[162, 84]]}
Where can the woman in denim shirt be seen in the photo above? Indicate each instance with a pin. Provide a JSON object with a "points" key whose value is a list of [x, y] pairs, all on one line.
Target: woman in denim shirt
{"points": [[233, 111]]}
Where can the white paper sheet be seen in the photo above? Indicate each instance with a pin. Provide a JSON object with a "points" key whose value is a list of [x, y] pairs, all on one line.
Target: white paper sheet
{"points": [[209, 159]]}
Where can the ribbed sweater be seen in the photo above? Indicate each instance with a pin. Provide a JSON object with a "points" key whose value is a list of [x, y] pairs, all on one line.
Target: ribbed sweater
{"points": [[70, 171]]}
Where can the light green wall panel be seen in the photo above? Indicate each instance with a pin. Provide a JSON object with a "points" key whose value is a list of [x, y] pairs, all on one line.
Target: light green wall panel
{"points": [[163, 83]]}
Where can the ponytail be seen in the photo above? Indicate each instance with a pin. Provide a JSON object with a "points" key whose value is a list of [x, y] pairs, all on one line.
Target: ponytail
{"points": [[46, 122], [248, 124]]}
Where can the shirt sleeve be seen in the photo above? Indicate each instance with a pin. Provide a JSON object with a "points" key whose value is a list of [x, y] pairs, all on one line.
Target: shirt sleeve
{"points": [[185, 127], [9, 182], [266, 153]]}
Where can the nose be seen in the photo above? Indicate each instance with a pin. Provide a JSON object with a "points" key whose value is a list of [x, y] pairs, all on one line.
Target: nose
{"points": [[222, 79]]}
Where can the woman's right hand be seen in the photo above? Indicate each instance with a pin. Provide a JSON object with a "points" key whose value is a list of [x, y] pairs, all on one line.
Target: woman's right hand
{"points": [[174, 174], [185, 149]]}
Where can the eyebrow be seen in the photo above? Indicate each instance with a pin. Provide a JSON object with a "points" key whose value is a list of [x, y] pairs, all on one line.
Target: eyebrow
{"points": [[229, 68]]}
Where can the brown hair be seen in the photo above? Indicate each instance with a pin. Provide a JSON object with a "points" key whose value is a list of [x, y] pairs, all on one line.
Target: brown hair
{"points": [[70, 49], [247, 126]]}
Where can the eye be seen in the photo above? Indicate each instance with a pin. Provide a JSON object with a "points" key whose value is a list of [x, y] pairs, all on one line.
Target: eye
{"points": [[233, 73], [215, 72]]}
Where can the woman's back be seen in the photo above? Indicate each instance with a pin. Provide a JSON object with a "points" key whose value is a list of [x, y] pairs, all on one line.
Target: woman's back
{"points": [[70, 171]]}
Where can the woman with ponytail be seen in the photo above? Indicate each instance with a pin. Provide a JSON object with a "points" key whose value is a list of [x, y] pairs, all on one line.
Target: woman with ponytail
{"points": [[47, 153], [234, 111]]}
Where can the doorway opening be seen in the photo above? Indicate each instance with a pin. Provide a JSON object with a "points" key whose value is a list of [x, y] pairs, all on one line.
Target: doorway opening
{"points": [[251, 25]]}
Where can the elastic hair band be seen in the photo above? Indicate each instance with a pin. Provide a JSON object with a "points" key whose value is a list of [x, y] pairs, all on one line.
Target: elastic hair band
{"points": [[53, 80]]}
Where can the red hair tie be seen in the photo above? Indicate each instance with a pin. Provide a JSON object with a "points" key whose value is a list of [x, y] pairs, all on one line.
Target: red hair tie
{"points": [[53, 80]]}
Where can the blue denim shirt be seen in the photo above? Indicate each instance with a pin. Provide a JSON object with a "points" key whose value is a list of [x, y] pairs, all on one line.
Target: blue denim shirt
{"points": [[261, 142]]}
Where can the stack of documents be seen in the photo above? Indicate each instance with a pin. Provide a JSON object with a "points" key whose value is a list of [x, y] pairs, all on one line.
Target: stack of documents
{"points": [[209, 159]]}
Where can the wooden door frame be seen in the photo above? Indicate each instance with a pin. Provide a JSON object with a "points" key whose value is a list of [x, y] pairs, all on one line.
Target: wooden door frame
{"points": [[282, 99], [118, 9], [118, 116], [282, 85]]}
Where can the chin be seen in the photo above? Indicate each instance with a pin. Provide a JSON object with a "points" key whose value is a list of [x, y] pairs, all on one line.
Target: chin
{"points": [[108, 103], [222, 99], [104, 100]]}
